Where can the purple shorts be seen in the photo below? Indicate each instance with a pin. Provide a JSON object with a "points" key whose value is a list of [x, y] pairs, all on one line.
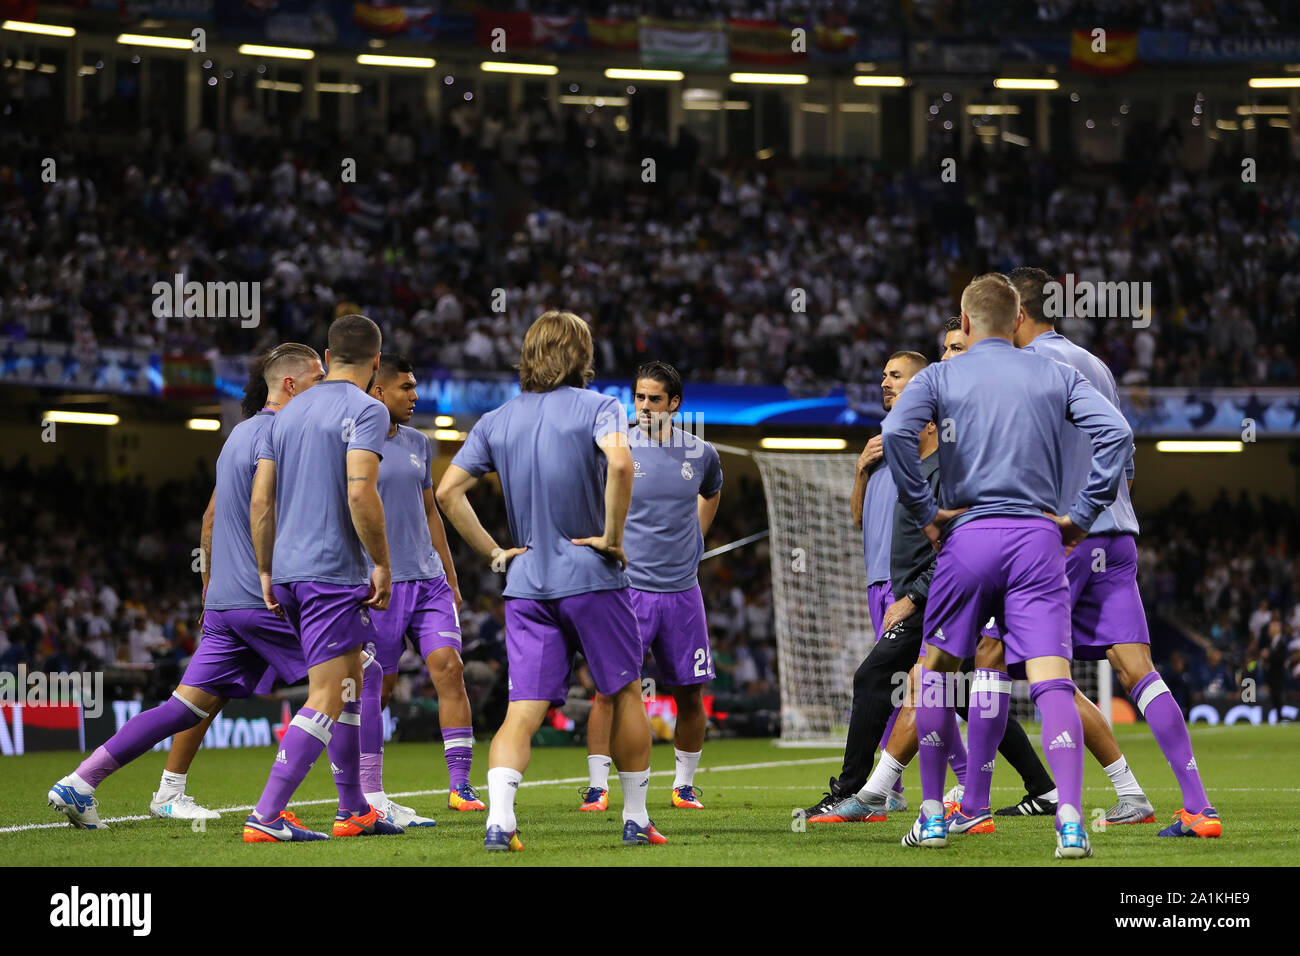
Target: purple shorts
{"points": [[424, 611], [1012, 569], [242, 651], [542, 636], [329, 618], [879, 596], [1106, 607], [674, 629]]}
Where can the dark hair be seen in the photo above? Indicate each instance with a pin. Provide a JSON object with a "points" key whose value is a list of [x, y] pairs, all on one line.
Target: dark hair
{"points": [[269, 366], [1029, 282], [916, 358], [665, 375], [392, 365], [952, 324], [353, 340]]}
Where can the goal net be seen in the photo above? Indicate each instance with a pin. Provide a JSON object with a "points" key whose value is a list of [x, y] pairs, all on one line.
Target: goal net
{"points": [[819, 599]]}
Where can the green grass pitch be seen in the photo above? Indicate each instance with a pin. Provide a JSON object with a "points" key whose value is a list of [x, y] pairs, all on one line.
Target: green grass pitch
{"points": [[750, 789]]}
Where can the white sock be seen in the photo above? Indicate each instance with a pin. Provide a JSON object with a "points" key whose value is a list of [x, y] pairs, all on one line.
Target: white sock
{"points": [[598, 770], [1050, 796], [171, 783], [882, 778], [635, 787], [77, 784], [378, 800], [686, 764], [503, 784], [1121, 777]]}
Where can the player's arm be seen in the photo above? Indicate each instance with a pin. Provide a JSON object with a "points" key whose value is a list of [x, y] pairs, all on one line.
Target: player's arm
{"points": [[205, 541], [438, 533], [707, 509], [368, 519], [1112, 444], [261, 521], [912, 410], [452, 497], [918, 592], [869, 458], [618, 496]]}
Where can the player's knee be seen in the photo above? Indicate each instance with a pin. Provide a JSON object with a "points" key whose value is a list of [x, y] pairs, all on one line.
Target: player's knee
{"points": [[1130, 664], [447, 669]]}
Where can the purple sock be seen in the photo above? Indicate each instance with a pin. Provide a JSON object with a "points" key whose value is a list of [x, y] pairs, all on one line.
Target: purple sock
{"points": [[1062, 743], [986, 722], [889, 728], [458, 748], [308, 734], [345, 759], [140, 734], [1170, 730], [936, 725], [372, 728], [957, 752]]}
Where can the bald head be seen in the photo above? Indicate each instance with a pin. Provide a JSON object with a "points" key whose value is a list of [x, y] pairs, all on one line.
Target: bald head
{"points": [[991, 304]]}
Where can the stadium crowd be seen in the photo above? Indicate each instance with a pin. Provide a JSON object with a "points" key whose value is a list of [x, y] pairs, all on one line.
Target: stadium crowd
{"points": [[956, 16], [455, 236]]}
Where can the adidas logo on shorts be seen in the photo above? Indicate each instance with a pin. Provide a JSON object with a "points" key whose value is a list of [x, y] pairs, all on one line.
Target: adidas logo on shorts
{"points": [[988, 767], [932, 739], [1062, 741]]}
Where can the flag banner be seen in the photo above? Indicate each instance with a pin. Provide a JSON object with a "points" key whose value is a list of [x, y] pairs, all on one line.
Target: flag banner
{"points": [[676, 43], [613, 34], [559, 33], [765, 41], [492, 26], [1054, 48], [305, 22], [931, 56], [382, 20], [1112, 53]]}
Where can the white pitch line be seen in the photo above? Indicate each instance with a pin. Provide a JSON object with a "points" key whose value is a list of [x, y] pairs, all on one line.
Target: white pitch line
{"points": [[424, 793]]}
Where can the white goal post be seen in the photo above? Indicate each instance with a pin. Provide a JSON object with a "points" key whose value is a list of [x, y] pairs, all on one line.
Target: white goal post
{"points": [[819, 599]]}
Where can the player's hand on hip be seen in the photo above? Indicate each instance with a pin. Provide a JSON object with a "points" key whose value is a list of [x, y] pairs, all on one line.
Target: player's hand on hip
{"points": [[501, 558], [874, 451], [381, 588], [605, 547], [1071, 533], [934, 530], [268, 596], [900, 610]]}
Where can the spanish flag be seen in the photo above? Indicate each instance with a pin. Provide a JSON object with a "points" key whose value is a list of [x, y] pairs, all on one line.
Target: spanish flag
{"points": [[1107, 53]]}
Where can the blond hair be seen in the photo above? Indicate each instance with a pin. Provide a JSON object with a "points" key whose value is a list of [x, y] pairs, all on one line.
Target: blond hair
{"points": [[992, 304], [557, 351]]}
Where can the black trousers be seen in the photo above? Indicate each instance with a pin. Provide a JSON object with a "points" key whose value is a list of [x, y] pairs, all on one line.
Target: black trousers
{"points": [[879, 681]]}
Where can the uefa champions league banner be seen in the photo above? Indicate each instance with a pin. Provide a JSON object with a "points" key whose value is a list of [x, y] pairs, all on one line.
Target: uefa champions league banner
{"points": [[85, 367], [1216, 412], [1174, 46]]}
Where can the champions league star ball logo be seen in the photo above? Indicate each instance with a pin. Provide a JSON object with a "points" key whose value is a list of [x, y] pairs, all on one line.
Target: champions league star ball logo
{"points": [[687, 471]]}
